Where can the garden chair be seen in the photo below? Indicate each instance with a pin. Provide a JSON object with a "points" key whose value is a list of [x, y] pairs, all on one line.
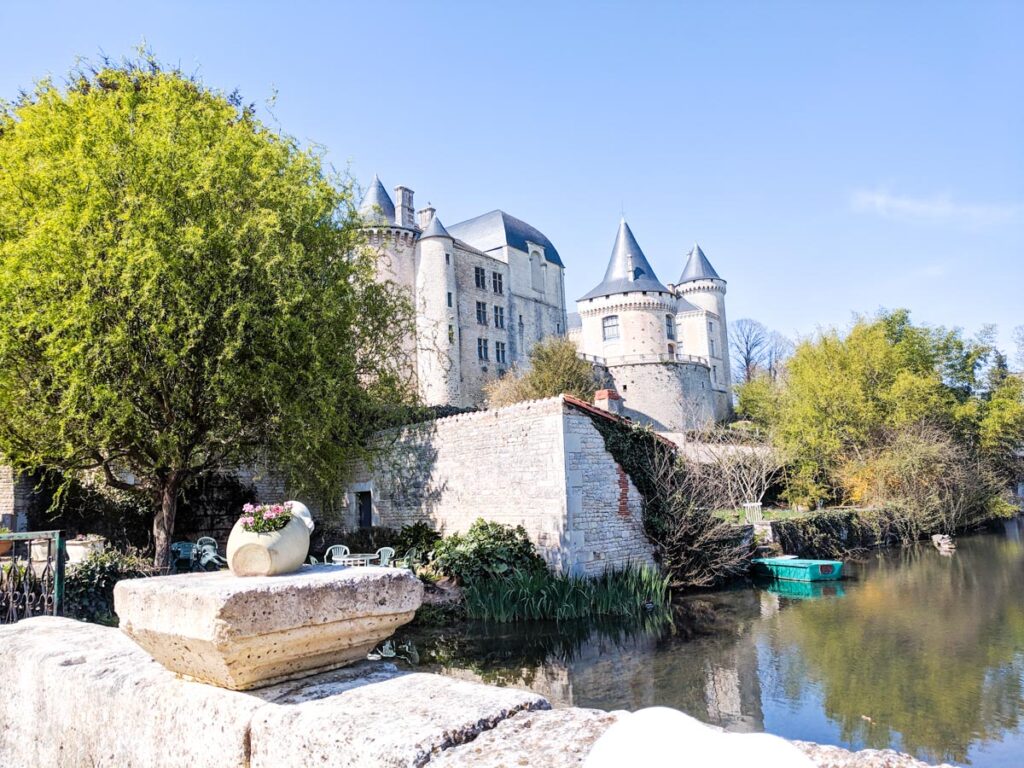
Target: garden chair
{"points": [[181, 552], [335, 552], [385, 555], [205, 555], [409, 560], [313, 560]]}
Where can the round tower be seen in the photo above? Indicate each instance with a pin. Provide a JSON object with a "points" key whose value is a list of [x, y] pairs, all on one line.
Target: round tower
{"points": [[437, 330], [629, 327], [700, 286]]}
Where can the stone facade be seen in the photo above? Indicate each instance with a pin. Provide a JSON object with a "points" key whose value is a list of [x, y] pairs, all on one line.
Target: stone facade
{"points": [[15, 498], [541, 464], [484, 293]]}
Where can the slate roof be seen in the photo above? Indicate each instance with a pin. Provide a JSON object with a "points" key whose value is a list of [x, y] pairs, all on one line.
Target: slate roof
{"points": [[377, 205], [497, 228], [435, 229], [628, 268], [698, 267]]}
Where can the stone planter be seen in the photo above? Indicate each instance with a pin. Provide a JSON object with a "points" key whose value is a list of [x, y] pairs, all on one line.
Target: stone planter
{"points": [[79, 549], [268, 554]]}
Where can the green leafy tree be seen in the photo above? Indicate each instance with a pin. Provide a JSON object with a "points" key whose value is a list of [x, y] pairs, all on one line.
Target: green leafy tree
{"points": [[182, 291], [555, 368], [846, 396]]}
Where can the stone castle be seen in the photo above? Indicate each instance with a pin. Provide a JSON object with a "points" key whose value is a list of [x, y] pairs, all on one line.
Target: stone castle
{"points": [[487, 289]]}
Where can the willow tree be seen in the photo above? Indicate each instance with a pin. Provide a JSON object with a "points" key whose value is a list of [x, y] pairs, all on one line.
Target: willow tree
{"points": [[182, 291]]}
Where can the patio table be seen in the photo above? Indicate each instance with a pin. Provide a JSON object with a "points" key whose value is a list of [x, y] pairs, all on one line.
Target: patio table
{"points": [[357, 558]]}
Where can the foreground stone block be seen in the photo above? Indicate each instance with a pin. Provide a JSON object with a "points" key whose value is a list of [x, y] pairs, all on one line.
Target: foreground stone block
{"points": [[558, 738], [242, 633], [399, 723], [81, 695]]}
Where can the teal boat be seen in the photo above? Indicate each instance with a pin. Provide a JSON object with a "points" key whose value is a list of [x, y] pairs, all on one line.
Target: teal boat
{"points": [[804, 590], [797, 569]]}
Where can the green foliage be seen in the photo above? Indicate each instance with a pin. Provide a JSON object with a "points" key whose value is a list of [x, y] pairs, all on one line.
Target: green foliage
{"points": [[89, 589], [183, 290], [539, 595], [419, 536], [555, 369], [845, 396], [487, 551]]}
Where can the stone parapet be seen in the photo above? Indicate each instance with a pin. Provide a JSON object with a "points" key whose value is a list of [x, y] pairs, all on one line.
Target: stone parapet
{"points": [[245, 632]]}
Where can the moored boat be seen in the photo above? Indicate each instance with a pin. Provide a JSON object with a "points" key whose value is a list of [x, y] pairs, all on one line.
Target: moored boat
{"points": [[797, 569]]}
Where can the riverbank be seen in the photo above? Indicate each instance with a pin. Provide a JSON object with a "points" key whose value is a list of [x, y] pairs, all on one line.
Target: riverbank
{"points": [[90, 696]]}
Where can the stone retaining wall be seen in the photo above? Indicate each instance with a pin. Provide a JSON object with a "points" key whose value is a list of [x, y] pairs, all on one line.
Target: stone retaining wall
{"points": [[541, 464]]}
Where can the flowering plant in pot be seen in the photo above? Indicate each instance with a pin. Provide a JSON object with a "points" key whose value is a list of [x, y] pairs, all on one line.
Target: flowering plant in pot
{"points": [[267, 539]]}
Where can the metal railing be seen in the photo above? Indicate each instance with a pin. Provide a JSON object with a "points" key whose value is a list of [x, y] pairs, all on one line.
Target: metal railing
{"points": [[31, 575], [679, 357]]}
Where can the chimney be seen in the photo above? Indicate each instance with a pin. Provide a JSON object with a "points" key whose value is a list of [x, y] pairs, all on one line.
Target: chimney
{"points": [[608, 400], [425, 215], [404, 214]]}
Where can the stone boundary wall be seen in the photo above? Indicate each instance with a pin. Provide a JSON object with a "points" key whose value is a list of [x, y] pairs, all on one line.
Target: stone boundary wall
{"points": [[540, 464]]}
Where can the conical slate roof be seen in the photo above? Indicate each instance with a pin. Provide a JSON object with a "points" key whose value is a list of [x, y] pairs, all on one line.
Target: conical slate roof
{"points": [[377, 206], [435, 229], [628, 268], [697, 267]]}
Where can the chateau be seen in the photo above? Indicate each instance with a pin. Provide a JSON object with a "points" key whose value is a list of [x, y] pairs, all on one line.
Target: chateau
{"points": [[487, 289]]}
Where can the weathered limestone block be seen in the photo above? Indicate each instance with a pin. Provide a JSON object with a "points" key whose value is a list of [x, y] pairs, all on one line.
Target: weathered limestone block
{"points": [[825, 756], [242, 633], [78, 694], [558, 738], [396, 723]]}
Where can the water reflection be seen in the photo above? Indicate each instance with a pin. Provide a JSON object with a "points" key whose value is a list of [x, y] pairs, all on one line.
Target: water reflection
{"points": [[915, 651]]}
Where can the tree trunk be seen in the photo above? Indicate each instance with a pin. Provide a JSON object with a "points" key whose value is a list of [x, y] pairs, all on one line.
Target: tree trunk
{"points": [[163, 522]]}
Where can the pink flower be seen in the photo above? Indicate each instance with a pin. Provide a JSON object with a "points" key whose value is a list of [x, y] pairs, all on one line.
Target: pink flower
{"points": [[277, 510], [248, 508], [270, 514], [248, 520]]}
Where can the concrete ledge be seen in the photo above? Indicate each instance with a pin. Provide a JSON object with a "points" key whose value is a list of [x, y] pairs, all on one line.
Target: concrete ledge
{"points": [[245, 632]]}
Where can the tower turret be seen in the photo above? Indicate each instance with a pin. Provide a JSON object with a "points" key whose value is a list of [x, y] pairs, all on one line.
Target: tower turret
{"points": [[437, 331], [700, 285]]}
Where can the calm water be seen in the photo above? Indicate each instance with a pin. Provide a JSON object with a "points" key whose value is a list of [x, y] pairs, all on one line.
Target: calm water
{"points": [[915, 651]]}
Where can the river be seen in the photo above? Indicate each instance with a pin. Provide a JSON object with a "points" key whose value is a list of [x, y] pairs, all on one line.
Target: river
{"points": [[913, 650]]}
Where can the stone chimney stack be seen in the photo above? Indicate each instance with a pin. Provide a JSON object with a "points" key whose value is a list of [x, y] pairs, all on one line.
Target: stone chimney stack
{"points": [[425, 215], [608, 400], [404, 215]]}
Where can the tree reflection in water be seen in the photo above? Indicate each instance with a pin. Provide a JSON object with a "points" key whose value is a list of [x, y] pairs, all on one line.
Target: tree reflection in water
{"points": [[917, 652]]}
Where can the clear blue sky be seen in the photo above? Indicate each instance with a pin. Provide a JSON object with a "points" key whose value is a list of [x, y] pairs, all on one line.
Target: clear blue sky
{"points": [[829, 157]]}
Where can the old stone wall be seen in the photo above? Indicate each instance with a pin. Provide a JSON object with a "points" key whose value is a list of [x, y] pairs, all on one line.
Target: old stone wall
{"points": [[673, 397], [16, 497], [540, 464]]}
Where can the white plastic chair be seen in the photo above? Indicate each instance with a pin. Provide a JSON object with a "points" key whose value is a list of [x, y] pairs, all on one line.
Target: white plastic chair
{"points": [[335, 552], [384, 555]]}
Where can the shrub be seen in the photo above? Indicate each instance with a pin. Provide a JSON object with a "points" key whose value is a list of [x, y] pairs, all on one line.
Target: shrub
{"points": [[89, 589], [486, 551], [555, 368], [419, 536], [539, 595]]}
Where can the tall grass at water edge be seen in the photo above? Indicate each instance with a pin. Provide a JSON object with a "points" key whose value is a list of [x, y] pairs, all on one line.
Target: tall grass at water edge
{"points": [[630, 592]]}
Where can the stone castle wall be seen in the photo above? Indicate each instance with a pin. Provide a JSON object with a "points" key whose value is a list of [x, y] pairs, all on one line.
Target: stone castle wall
{"points": [[671, 397], [540, 464]]}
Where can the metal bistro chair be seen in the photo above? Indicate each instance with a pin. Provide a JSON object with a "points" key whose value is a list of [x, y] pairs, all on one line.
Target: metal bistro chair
{"points": [[335, 552], [181, 556], [385, 555]]}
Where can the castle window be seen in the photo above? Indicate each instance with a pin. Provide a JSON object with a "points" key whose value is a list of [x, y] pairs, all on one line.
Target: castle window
{"points": [[447, 258], [670, 327], [451, 334], [499, 317], [610, 327], [480, 276], [481, 313], [558, 327], [498, 282], [449, 298], [537, 271], [714, 373], [499, 352], [711, 343], [672, 350], [481, 349]]}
